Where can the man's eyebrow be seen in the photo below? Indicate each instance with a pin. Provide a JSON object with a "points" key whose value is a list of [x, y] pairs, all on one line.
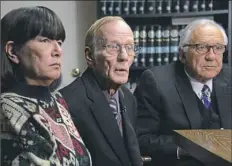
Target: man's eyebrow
{"points": [[112, 41], [117, 41]]}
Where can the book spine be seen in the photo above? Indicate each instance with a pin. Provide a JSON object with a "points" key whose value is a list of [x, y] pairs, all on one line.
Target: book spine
{"points": [[135, 29], [133, 6], [159, 6], [165, 44], [125, 7], [167, 6], [209, 5], [102, 6], [175, 6], [109, 7], [202, 5], [150, 46], [117, 7], [174, 41], [143, 42], [185, 6], [194, 6], [150, 6], [140, 6], [158, 50]]}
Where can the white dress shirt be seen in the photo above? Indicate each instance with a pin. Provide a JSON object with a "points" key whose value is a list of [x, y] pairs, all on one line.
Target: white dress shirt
{"points": [[197, 86]]}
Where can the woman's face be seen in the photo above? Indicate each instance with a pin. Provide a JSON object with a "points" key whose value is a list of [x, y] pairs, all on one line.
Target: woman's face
{"points": [[40, 59]]}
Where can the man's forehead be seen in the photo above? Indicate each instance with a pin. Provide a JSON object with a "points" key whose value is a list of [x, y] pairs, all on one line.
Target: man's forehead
{"points": [[116, 27], [115, 34], [206, 29], [105, 34], [203, 32]]}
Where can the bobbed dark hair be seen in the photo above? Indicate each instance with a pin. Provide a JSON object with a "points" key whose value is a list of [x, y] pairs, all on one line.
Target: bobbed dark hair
{"points": [[21, 25]]}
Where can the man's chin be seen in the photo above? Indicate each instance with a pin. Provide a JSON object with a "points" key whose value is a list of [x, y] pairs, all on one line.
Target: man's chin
{"points": [[121, 81], [205, 78]]}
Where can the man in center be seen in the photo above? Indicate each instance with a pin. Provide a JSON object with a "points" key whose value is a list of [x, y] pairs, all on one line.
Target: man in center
{"points": [[104, 111]]}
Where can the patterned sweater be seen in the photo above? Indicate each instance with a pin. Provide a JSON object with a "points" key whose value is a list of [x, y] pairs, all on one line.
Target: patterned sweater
{"points": [[36, 129]]}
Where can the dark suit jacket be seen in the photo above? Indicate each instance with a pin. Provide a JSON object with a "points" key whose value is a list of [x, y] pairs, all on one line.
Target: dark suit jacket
{"points": [[166, 101], [94, 119]]}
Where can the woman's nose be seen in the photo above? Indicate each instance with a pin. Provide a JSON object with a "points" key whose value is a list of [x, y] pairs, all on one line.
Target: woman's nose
{"points": [[57, 49]]}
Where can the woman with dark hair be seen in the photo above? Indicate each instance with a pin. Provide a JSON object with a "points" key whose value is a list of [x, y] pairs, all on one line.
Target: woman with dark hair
{"points": [[36, 127]]}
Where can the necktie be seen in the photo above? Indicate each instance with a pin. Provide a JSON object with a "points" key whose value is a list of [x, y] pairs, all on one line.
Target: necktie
{"points": [[114, 105], [205, 98]]}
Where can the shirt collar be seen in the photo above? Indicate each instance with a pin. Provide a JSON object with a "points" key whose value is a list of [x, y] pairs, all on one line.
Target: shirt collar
{"points": [[197, 86], [107, 95]]}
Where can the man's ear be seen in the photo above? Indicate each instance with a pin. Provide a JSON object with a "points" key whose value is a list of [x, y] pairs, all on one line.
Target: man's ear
{"points": [[89, 56], [182, 55], [11, 52]]}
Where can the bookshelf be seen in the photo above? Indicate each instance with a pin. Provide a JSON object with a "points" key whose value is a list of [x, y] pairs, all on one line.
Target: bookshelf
{"points": [[187, 14], [165, 19]]}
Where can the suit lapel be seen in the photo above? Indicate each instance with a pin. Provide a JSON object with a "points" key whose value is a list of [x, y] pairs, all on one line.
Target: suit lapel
{"points": [[188, 97], [103, 115], [129, 135], [223, 100]]}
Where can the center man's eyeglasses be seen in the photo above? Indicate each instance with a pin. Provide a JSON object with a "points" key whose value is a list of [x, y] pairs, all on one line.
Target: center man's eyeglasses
{"points": [[114, 49]]}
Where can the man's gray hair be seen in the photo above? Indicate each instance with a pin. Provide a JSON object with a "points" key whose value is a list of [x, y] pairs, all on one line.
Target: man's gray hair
{"points": [[185, 35], [92, 36]]}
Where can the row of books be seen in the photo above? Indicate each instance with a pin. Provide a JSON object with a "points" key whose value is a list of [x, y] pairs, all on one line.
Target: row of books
{"points": [[158, 44], [125, 7]]}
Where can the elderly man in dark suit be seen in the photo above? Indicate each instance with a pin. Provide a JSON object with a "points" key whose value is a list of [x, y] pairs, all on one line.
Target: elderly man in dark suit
{"points": [[193, 93], [103, 110]]}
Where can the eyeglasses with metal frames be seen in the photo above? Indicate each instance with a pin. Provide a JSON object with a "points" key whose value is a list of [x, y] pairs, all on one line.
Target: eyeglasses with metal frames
{"points": [[114, 48]]}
